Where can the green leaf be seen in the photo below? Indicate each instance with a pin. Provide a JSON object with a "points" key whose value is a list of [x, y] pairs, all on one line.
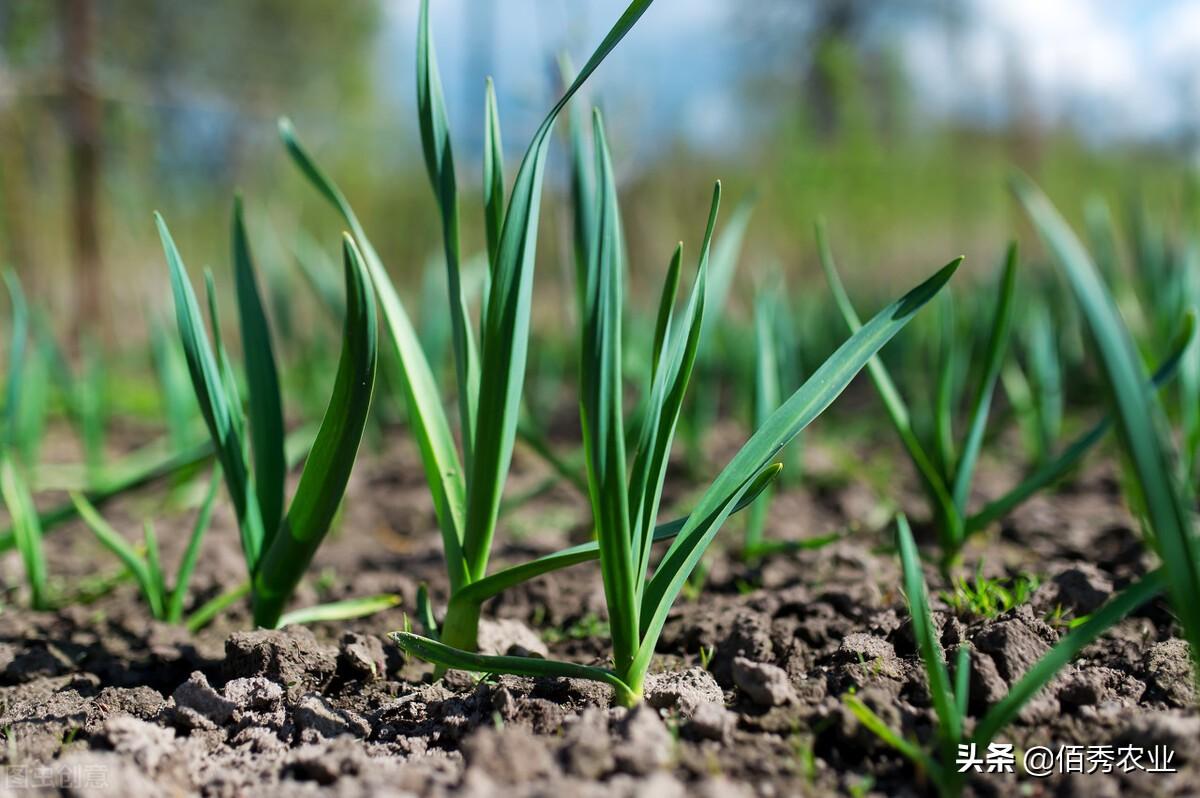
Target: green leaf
{"points": [[427, 419], [323, 481], [670, 382], [925, 633], [1138, 414], [1054, 470], [950, 357], [600, 412], [506, 328], [808, 402], [318, 269], [496, 583], [125, 552], [204, 615], [582, 183], [174, 385], [433, 651], [262, 379], [931, 478], [211, 393], [154, 567], [993, 361], [439, 162], [766, 399], [229, 381], [493, 172], [1046, 371], [135, 478], [27, 532], [666, 306], [425, 613], [725, 255], [1057, 658], [187, 564], [962, 680], [876, 725], [19, 336], [345, 610]]}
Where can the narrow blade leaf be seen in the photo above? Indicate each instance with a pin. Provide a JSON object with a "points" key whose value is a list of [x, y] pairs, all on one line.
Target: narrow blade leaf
{"points": [[439, 161], [210, 389], [440, 654], [897, 411], [808, 402], [346, 610], [506, 334], [925, 634], [262, 379], [993, 360], [27, 531], [427, 419], [1054, 660], [323, 481]]}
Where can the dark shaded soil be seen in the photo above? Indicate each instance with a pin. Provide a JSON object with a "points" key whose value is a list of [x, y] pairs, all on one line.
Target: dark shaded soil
{"points": [[95, 700]]}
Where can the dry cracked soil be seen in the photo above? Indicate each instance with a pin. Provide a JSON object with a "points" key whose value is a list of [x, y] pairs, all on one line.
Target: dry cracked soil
{"points": [[746, 698]]}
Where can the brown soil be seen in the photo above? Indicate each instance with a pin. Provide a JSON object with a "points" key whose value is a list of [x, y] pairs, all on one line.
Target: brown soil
{"points": [[97, 701]]}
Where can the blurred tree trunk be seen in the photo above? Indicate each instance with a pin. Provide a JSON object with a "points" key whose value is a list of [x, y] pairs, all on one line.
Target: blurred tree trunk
{"points": [[14, 197], [78, 27]]}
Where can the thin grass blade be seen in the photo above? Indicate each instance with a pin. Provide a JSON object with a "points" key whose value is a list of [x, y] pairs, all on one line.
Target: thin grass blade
{"points": [[27, 531], [925, 633], [962, 680], [1057, 658], [154, 568], [993, 361], [346, 610], [666, 307], [949, 357], [440, 654], [1049, 473], [18, 340], [493, 172], [670, 382], [125, 552], [727, 250], [496, 583], [204, 615], [876, 725], [808, 402], [427, 419], [582, 182], [897, 411], [187, 564], [766, 399], [601, 414], [210, 391]]}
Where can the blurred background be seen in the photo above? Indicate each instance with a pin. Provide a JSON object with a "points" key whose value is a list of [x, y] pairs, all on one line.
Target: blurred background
{"points": [[898, 121]]}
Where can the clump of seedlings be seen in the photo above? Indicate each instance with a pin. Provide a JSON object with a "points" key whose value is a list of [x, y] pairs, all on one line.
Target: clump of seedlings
{"points": [[947, 477], [467, 489], [165, 604], [277, 546], [949, 693], [625, 496], [1158, 494]]}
